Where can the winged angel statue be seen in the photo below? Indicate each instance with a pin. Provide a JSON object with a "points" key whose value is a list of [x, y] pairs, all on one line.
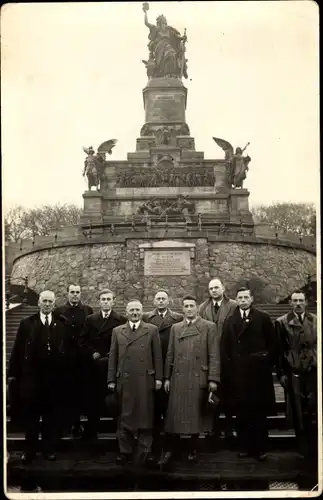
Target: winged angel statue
{"points": [[238, 164], [95, 162]]}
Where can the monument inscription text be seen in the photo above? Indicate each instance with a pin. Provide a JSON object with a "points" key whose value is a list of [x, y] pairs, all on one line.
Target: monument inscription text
{"points": [[167, 263]]}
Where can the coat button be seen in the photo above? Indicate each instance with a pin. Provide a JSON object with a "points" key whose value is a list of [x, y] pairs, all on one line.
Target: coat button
{"points": [[142, 359], [142, 374], [142, 345]]}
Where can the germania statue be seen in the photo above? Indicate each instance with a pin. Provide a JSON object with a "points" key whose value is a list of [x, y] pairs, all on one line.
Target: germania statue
{"points": [[166, 49]]}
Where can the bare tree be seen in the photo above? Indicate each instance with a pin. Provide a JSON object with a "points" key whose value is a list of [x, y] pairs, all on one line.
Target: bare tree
{"points": [[294, 217], [22, 223]]}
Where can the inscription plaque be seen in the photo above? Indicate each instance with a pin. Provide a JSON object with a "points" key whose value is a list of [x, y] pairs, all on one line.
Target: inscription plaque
{"points": [[167, 263]]}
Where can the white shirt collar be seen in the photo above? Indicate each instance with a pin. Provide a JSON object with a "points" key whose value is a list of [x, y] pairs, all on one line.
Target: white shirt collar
{"points": [[137, 323], [244, 311], [105, 314], [163, 314], [219, 302], [43, 318], [297, 314], [192, 321]]}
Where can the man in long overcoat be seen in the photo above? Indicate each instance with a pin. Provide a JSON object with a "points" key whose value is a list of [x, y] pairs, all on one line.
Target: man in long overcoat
{"points": [[95, 343], [75, 313], [162, 317], [249, 351], [297, 369], [135, 372], [37, 365], [217, 308], [192, 370]]}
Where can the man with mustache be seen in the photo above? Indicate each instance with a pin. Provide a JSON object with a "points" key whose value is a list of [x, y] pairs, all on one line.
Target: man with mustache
{"points": [[297, 371], [135, 372]]}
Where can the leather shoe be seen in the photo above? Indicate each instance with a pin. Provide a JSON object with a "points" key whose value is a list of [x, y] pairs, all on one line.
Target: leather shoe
{"points": [[192, 456], [165, 459], [123, 458], [27, 457], [51, 457], [261, 457], [243, 454]]}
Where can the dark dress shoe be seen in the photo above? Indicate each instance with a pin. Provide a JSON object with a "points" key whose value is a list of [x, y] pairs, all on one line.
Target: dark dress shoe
{"points": [[165, 460], [27, 457], [243, 454], [77, 431], [261, 457], [191, 457], [51, 457], [123, 458]]}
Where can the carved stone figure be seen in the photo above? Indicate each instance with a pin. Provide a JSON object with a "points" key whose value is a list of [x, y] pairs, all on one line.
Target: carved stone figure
{"points": [[94, 163], [166, 49], [238, 164]]}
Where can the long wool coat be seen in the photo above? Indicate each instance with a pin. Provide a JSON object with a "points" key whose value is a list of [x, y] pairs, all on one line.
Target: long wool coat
{"points": [[135, 363], [249, 353], [192, 360]]}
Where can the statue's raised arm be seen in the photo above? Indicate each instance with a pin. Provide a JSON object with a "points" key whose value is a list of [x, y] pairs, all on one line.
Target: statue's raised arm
{"points": [[145, 8]]}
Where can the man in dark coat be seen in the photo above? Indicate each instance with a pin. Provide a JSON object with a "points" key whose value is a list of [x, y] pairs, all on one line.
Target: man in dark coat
{"points": [[297, 369], [162, 317], [75, 313], [217, 308], [192, 371], [95, 342], [37, 364], [249, 351], [135, 372]]}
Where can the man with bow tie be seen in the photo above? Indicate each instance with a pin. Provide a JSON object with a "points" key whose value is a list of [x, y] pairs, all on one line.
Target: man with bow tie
{"points": [[162, 317], [95, 342], [249, 351], [217, 308], [297, 371], [75, 313], [192, 371], [135, 373], [37, 364]]}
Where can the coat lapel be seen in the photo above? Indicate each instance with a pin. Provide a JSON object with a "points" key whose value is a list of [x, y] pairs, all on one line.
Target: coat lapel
{"points": [[189, 331], [244, 325], [140, 332]]}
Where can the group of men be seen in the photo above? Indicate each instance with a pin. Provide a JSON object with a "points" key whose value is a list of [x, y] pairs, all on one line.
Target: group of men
{"points": [[170, 374]]}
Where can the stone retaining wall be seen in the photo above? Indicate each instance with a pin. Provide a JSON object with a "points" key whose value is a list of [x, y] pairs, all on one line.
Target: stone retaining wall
{"points": [[272, 270]]}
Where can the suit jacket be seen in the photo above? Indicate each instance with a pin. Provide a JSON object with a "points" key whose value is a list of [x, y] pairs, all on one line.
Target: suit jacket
{"points": [[164, 325], [249, 353], [97, 333], [75, 319], [206, 311], [23, 362]]}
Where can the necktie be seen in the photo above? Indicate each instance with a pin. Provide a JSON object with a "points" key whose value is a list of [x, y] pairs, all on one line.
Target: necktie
{"points": [[300, 318], [134, 328], [244, 316], [216, 308], [48, 332], [189, 323]]}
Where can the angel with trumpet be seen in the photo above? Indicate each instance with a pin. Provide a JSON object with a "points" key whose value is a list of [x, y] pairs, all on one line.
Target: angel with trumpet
{"points": [[238, 164]]}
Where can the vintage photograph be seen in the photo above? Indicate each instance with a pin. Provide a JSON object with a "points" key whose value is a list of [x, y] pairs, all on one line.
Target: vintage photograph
{"points": [[161, 222]]}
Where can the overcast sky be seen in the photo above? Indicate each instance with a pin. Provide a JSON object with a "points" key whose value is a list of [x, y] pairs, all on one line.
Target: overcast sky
{"points": [[72, 75]]}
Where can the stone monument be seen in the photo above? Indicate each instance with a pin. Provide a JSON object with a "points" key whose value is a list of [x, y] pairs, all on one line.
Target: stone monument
{"points": [[166, 181]]}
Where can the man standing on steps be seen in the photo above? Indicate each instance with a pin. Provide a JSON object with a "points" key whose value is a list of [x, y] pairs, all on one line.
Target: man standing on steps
{"points": [[192, 371], [38, 363], [95, 342], [297, 370], [135, 372], [217, 308], [249, 351], [162, 317], [75, 313]]}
